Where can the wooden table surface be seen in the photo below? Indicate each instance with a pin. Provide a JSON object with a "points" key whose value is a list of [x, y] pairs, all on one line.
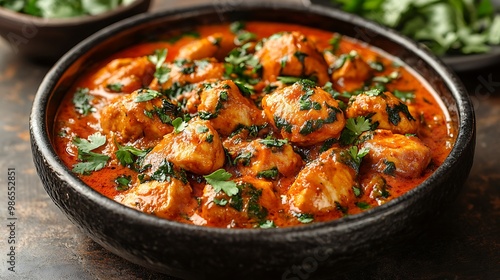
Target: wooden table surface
{"points": [[463, 242]]}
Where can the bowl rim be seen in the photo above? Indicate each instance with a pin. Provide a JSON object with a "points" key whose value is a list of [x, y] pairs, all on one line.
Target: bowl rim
{"points": [[19, 17], [38, 129]]}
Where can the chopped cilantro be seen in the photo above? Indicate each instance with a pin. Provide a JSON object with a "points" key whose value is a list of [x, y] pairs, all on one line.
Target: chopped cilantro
{"points": [[244, 158], [123, 182], [270, 174], [393, 113], [273, 142], [158, 59], [282, 124], [116, 87], [390, 167], [363, 205], [304, 217], [179, 125], [220, 202], [82, 100], [267, 224], [404, 95]]}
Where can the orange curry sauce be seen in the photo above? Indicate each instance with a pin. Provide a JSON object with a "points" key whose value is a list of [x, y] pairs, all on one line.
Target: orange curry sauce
{"points": [[289, 168]]}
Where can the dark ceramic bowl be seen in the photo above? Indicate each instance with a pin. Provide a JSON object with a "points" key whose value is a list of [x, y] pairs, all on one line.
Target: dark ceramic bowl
{"points": [[46, 40], [195, 252]]}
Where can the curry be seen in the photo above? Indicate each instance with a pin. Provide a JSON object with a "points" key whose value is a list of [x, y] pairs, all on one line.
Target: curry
{"points": [[252, 125]]}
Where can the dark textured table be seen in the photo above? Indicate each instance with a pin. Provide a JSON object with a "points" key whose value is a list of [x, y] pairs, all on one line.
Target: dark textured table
{"points": [[463, 242]]}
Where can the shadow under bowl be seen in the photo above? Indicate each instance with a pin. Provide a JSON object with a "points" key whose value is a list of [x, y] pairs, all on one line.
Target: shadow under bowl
{"points": [[194, 252], [46, 40]]}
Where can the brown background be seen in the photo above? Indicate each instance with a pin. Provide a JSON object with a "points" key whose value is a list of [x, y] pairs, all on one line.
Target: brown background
{"points": [[462, 242]]}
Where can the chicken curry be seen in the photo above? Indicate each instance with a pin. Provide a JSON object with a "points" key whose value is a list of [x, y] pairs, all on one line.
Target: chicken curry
{"points": [[252, 125]]}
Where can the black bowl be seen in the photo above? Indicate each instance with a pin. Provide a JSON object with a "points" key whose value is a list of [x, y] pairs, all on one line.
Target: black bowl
{"points": [[46, 40], [196, 252]]}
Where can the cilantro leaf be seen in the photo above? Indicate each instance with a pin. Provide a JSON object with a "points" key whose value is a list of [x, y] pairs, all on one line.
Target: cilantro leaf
{"points": [[354, 128], [90, 162], [219, 180], [94, 141], [82, 101], [123, 182], [146, 95], [127, 154], [179, 125], [158, 59]]}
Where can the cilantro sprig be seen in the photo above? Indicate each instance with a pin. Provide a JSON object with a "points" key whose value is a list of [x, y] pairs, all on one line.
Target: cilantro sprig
{"points": [[128, 155], [89, 161], [158, 59], [354, 128]]}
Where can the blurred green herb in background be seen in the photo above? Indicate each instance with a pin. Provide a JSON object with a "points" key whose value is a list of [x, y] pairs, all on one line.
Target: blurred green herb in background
{"points": [[62, 8], [445, 26]]}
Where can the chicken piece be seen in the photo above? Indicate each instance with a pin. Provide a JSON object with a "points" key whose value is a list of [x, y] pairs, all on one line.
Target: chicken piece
{"points": [[304, 114], [216, 45], [396, 154], [185, 72], [130, 118], [249, 207], [164, 199], [385, 109], [350, 71], [263, 158], [324, 184], [375, 187], [125, 75], [225, 107], [292, 54], [197, 148]]}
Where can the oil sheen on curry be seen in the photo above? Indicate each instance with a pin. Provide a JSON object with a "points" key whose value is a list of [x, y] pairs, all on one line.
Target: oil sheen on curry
{"points": [[252, 125]]}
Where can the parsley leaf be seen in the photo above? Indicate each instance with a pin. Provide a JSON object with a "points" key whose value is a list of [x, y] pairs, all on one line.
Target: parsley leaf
{"points": [[219, 180]]}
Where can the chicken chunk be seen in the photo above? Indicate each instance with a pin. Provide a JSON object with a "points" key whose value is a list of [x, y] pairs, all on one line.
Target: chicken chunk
{"points": [[216, 45], [385, 109], [124, 75], [130, 118], [350, 71], [197, 148], [185, 72], [263, 158], [396, 154], [304, 114], [292, 54], [324, 184], [248, 208], [375, 187], [225, 107], [164, 199]]}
